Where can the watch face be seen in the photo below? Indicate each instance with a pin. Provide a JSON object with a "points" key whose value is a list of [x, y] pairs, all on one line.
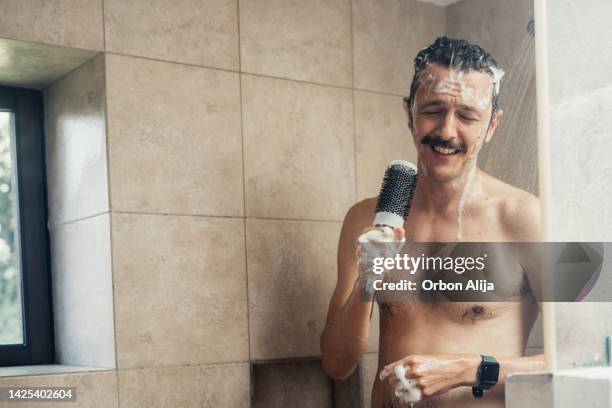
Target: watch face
{"points": [[489, 373]]}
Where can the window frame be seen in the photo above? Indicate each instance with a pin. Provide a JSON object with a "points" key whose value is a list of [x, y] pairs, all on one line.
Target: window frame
{"points": [[34, 254]]}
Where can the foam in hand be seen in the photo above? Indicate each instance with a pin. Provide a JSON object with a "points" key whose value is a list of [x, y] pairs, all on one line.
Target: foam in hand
{"points": [[407, 389]]}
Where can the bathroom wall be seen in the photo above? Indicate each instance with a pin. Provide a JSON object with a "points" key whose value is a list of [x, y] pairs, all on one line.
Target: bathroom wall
{"points": [[581, 173], [235, 135]]}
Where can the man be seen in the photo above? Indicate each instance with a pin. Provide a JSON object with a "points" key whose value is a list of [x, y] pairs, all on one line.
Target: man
{"points": [[452, 111]]}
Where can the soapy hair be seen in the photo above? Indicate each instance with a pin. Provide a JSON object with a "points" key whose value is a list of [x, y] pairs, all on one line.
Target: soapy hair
{"points": [[458, 55]]}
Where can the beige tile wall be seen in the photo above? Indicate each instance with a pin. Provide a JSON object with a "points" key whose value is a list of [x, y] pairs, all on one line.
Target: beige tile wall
{"points": [[301, 40], [297, 138], [387, 34], [198, 32], [295, 384], [193, 386], [180, 290], [381, 133], [291, 268], [70, 23], [174, 138]]}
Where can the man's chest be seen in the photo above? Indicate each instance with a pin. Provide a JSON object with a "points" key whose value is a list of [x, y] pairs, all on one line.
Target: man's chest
{"points": [[484, 225]]}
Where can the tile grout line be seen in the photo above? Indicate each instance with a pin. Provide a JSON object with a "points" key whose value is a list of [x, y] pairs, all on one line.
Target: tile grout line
{"points": [[240, 71], [186, 365], [356, 175], [223, 216], [110, 212], [355, 178], [244, 218], [116, 370]]}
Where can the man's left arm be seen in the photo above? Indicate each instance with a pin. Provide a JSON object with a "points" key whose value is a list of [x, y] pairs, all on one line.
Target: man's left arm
{"points": [[438, 374]]}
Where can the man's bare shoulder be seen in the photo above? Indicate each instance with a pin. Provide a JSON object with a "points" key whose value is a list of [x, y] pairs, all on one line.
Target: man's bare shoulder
{"points": [[519, 211]]}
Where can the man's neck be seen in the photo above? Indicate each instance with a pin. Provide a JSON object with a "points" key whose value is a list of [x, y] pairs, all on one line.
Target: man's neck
{"points": [[437, 198]]}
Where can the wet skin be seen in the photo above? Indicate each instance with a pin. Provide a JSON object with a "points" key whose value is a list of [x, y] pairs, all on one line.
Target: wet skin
{"points": [[454, 201]]}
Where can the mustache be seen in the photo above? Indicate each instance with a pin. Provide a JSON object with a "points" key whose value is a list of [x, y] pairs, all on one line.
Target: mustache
{"points": [[438, 141]]}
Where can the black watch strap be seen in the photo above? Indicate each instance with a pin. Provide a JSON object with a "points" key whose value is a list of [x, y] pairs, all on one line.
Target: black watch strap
{"points": [[488, 375]]}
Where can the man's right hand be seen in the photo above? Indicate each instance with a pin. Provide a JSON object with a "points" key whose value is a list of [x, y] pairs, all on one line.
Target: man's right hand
{"points": [[376, 242]]}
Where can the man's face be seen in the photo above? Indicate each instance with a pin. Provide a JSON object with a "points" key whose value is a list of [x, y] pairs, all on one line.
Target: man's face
{"points": [[451, 120]]}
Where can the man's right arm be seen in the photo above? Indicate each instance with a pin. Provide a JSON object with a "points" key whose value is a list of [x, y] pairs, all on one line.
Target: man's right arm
{"points": [[345, 337]]}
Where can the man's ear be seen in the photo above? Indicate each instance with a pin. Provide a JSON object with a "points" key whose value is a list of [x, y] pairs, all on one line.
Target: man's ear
{"points": [[409, 113], [493, 125]]}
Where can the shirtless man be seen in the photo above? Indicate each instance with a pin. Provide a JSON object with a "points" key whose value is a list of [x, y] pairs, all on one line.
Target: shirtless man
{"points": [[452, 111]]}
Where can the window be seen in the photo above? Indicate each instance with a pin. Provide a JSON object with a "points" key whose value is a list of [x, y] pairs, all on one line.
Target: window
{"points": [[26, 330]]}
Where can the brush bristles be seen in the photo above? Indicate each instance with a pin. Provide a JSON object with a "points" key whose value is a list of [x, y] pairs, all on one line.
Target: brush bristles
{"points": [[397, 189]]}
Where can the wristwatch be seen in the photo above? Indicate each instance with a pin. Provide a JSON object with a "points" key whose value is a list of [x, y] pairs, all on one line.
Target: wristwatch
{"points": [[488, 375]]}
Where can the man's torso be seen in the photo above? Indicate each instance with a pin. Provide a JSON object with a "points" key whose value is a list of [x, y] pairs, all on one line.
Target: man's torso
{"points": [[495, 328]]}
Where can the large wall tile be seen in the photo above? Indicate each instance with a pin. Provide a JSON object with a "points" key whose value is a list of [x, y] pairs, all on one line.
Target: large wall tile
{"points": [[83, 292], [374, 333], [71, 23], [299, 149], [381, 128], [292, 275], [180, 290], [174, 138], [75, 133], [387, 35], [214, 386], [200, 32], [309, 41], [301, 384], [93, 389], [347, 393], [499, 26]]}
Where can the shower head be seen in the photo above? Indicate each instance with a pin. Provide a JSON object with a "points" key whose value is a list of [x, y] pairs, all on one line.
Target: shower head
{"points": [[531, 27]]}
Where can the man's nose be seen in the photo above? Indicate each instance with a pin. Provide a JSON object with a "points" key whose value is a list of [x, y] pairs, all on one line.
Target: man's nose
{"points": [[448, 128]]}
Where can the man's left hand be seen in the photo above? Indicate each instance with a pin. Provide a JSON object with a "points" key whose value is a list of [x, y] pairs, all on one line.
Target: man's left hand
{"points": [[437, 374]]}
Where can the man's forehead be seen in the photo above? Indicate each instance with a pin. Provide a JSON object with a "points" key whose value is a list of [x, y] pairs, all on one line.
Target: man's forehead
{"points": [[472, 88], [434, 74]]}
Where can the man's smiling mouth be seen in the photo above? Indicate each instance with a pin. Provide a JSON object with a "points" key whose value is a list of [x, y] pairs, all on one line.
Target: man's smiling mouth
{"points": [[443, 147], [444, 150]]}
